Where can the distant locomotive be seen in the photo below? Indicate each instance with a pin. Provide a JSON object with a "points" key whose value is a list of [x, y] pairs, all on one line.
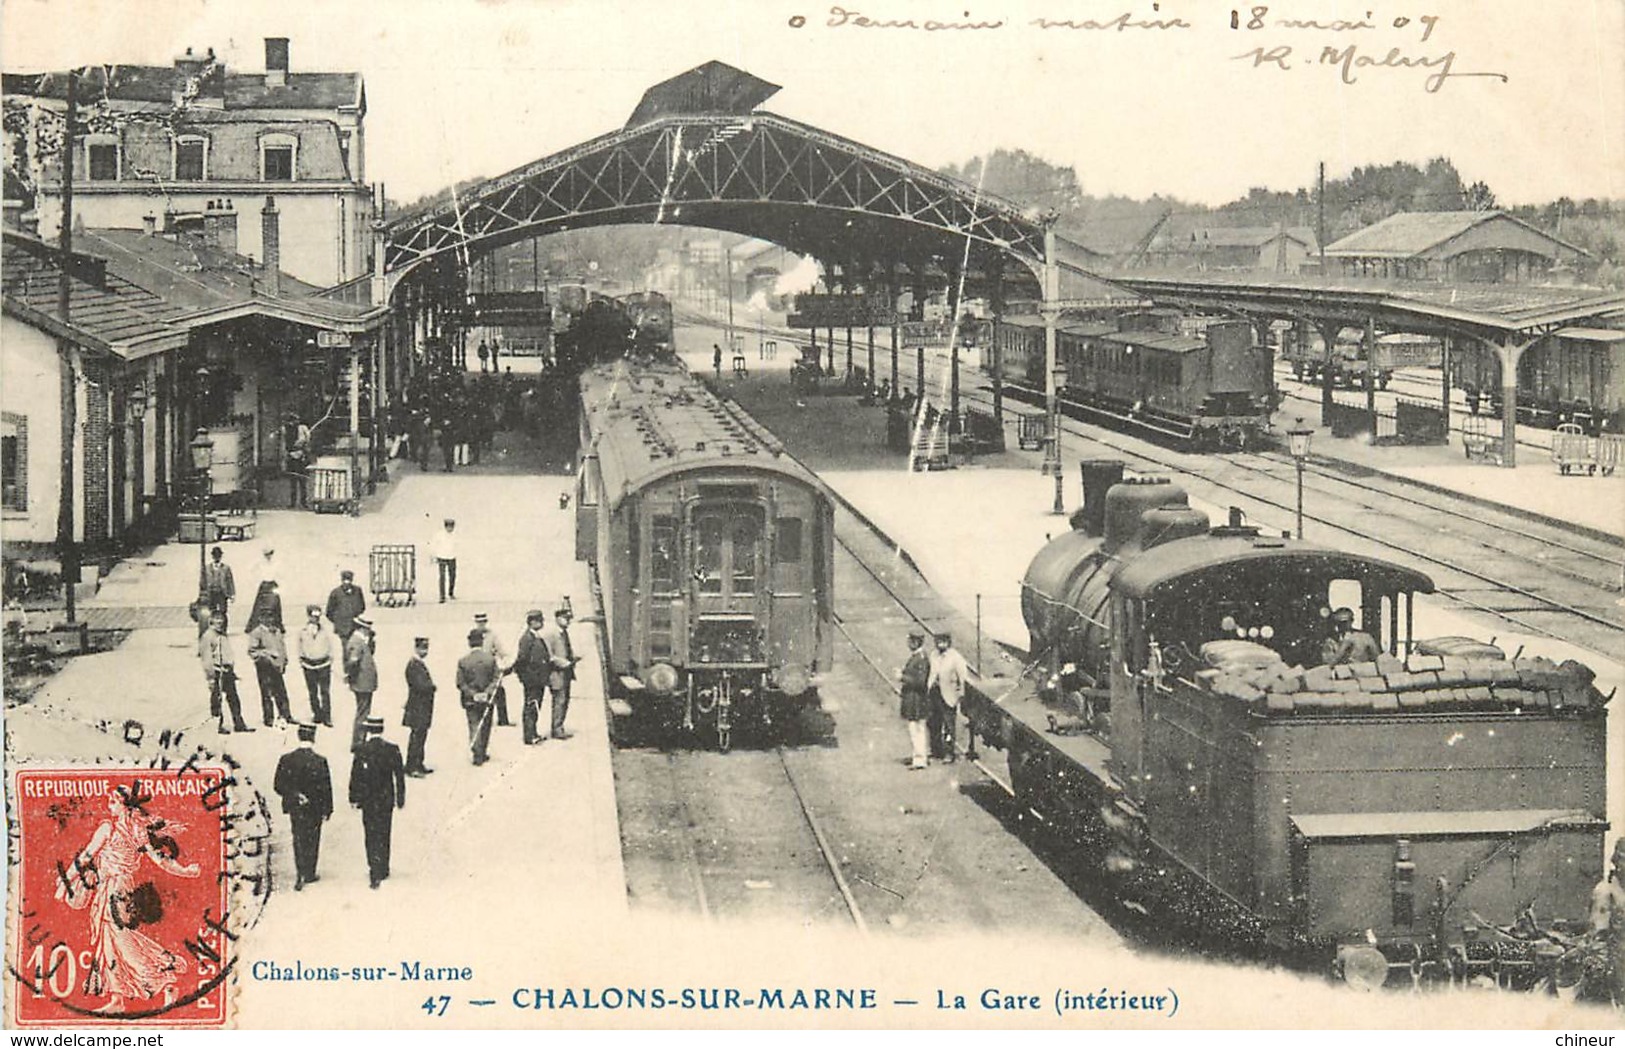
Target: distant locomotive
{"points": [[1389, 814], [651, 317], [1573, 375], [1198, 381], [714, 551], [1348, 359]]}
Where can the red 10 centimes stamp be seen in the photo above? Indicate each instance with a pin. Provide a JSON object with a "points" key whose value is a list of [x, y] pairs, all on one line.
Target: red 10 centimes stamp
{"points": [[122, 896]]}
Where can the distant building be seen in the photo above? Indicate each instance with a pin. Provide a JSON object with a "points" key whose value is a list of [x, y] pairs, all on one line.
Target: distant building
{"points": [[1489, 246], [1272, 249], [171, 143]]}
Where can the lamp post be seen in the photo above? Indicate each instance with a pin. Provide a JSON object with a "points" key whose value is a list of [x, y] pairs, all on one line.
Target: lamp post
{"points": [[1057, 379], [202, 459], [1298, 442]]}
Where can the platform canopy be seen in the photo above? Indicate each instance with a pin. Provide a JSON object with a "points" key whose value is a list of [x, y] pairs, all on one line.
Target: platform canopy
{"points": [[698, 152]]}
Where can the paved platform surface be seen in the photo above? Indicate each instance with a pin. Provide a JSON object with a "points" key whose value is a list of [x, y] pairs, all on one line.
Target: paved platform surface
{"points": [[528, 844]]}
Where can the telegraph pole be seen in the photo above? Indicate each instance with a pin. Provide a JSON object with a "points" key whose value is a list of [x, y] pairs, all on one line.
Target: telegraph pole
{"points": [[67, 549]]}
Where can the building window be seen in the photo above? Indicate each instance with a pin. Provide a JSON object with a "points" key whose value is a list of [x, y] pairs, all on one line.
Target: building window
{"points": [[102, 161], [279, 155], [191, 159], [14, 462], [344, 152]]}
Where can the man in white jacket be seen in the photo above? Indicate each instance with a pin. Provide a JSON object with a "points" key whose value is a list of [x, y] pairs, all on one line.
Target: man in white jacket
{"points": [[946, 685]]}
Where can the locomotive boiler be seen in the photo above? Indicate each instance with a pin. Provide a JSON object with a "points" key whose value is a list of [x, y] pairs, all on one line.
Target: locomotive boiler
{"points": [[714, 552], [1399, 813]]}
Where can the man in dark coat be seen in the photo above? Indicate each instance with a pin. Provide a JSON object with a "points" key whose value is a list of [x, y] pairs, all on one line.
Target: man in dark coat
{"points": [[916, 705], [377, 788], [476, 684], [532, 665], [306, 788], [419, 707], [344, 603], [217, 588], [361, 672]]}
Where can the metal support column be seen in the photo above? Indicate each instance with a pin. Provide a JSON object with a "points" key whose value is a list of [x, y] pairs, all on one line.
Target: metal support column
{"points": [[1052, 395], [1371, 372], [996, 349], [1328, 338]]}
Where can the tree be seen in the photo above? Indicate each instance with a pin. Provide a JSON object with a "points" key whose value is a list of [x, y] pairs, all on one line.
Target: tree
{"points": [[1479, 197]]}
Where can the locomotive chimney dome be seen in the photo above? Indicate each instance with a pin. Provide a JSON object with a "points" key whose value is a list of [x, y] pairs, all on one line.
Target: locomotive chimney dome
{"points": [[1127, 503], [1164, 524]]}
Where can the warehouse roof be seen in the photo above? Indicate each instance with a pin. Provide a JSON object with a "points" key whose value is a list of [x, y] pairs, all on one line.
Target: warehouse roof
{"points": [[1411, 233]]}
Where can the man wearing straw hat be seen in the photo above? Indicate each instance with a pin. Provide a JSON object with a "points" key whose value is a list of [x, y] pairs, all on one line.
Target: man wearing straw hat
{"points": [[377, 788], [476, 681]]}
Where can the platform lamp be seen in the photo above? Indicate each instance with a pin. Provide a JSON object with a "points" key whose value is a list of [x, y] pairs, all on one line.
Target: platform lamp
{"points": [[1298, 443], [202, 460], [1059, 379]]}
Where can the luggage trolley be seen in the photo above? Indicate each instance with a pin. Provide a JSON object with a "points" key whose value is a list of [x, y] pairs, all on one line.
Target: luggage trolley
{"points": [[393, 575], [1572, 450]]}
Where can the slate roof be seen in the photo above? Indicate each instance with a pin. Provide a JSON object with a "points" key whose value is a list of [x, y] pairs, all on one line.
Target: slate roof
{"points": [[1411, 233], [106, 311], [157, 84], [1241, 237], [712, 88]]}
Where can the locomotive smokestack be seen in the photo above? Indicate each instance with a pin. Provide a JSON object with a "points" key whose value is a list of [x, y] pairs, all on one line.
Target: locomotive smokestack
{"points": [[1098, 477]]}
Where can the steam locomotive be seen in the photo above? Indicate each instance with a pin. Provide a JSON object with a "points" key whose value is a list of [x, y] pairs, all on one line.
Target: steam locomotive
{"points": [[714, 552], [1194, 380], [1437, 810]]}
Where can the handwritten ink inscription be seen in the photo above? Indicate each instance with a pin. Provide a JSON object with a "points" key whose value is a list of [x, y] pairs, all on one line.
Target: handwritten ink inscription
{"points": [[1355, 49]]}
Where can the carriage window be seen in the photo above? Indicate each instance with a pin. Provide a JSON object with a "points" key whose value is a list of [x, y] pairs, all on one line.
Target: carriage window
{"points": [[634, 543], [746, 532], [708, 555], [663, 555], [787, 545]]}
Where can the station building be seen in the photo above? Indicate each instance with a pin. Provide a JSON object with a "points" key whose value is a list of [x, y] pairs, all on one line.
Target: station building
{"points": [[1472, 246]]}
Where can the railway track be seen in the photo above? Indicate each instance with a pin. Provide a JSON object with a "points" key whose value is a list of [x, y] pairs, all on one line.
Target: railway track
{"points": [[1590, 563]]}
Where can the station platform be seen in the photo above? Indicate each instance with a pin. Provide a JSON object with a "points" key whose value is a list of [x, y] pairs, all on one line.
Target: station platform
{"points": [[527, 844]]}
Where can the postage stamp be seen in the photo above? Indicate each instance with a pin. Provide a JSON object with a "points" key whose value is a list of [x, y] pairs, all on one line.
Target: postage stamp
{"points": [[122, 901]]}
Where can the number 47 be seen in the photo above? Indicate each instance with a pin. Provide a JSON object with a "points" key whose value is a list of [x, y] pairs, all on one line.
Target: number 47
{"points": [[436, 1006]]}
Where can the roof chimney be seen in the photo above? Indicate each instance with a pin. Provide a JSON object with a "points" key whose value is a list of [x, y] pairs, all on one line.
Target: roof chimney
{"points": [[199, 80], [271, 246], [226, 216], [276, 61]]}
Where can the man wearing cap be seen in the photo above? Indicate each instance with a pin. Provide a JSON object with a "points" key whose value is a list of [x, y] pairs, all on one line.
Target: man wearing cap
{"points": [[419, 711], [361, 672], [268, 648], [316, 660], [344, 603], [499, 652], [563, 658], [533, 666], [444, 550], [1608, 922], [377, 788], [948, 677], [220, 671], [217, 588], [1347, 645], [306, 788], [476, 676], [916, 701]]}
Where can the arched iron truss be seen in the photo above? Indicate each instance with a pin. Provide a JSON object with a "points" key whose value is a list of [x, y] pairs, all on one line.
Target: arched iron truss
{"points": [[757, 174]]}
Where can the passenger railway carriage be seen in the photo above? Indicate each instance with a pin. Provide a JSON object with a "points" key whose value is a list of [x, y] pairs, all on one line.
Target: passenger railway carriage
{"points": [[1196, 380], [714, 551], [1573, 375]]}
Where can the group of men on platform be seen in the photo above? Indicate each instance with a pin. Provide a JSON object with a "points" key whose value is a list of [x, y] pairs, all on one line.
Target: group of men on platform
{"points": [[544, 663]]}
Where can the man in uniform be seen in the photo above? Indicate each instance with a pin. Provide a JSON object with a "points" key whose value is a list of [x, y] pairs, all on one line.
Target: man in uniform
{"points": [[316, 660], [220, 671], [377, 788], [419, 712], [533, 666], [949, 675], [306, 788], [344, 603], [361, 672], [1347, 645], [499, 652], [476, 674], [563, 657], [916, 705], [217, 588]]}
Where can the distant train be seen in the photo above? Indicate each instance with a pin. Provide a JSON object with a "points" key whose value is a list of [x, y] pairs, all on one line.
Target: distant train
{"points": [[607, 329], [1436, 809], [1348, 359], [651, 317], [1573, 375], [1197, 380], [714, 552]]}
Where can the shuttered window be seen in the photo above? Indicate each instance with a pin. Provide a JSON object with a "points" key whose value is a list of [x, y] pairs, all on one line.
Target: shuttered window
{"points": [[14, 461]]}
